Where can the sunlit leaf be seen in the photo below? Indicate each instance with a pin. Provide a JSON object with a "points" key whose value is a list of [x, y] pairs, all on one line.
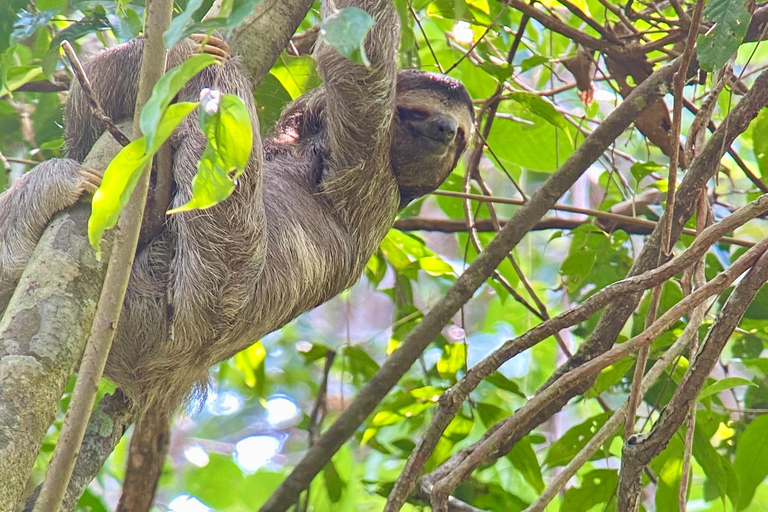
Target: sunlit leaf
{"points": [[597, 486], [230, 140], [731, 21], [165, 91], [751, 462], [345, 30], [123, 173], [722, 385], [452, 360]]}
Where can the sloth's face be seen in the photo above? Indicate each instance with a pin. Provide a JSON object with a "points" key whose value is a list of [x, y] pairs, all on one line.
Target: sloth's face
{"points": [[432, 125]]}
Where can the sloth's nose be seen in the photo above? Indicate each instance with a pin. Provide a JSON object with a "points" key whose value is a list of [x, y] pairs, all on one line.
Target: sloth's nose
{"points": [[442, 128]]}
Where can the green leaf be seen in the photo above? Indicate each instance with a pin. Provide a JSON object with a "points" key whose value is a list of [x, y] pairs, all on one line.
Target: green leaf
{"points": [[717, 468], [577, 267], [538, 145], [642, 169], [723, 384], [345, 31], [251, 362], [532, 62], [96, 21], [731, 19], [760, 141], [28, 23], [751, 462], [597, 486], [540, 107], [360, 362], [333, 482], [120, 179], [435, 267], [500, 381], [525, 461], [176, 32], [452, 360], [758, 308], [609, 376], [184, 25], [562, 451], [225, 121], [123, 173], [163, 93]]}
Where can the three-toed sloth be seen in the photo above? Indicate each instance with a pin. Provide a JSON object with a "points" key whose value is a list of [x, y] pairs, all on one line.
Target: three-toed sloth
{"points": [[316, 198]]}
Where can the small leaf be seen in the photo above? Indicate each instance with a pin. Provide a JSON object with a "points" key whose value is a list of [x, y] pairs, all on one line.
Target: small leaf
{"points": [[597, 486], [562, 451], [760, 141], [123, 173], [452, 360], [333, 482], [184, 25], [29, 22], [435, 267], [230, 140], [163, 93], [540, 107], [731, 19], [609, 376], [500, 381], [751, 462], [251, 363], [532, 62], [722, 385], [642, 169], [524, 459], [176, 32], [345, 31]]}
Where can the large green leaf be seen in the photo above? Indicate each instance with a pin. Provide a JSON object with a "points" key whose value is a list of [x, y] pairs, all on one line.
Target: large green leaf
{"points": [[123, 173], [163, 93], [751, 462], [225, 121], [731, 19], [345, 30], [760, 141]]}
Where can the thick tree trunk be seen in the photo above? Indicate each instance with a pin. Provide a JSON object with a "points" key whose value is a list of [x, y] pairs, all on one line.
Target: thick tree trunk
{"points": [[43, 333]]}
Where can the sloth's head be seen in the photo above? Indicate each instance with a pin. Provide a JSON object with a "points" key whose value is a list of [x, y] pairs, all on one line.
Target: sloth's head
{"points": [[432, 126]]}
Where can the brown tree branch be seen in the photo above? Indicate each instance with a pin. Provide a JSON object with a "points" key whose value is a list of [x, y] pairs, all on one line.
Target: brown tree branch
{"points": [[640, 449], [493, 445], [632, 226], [90, 95], [47, 319], [678, 83]]}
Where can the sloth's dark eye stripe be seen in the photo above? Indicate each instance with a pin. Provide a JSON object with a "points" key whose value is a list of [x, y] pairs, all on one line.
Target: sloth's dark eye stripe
{"points": [[412, 114]]}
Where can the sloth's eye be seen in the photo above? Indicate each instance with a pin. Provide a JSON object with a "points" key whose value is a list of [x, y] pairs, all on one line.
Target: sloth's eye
{"points": [[411, 114]]}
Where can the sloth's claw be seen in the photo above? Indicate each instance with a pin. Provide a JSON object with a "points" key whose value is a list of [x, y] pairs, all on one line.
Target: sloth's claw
{"points": [[91, 179], [212, 46]]}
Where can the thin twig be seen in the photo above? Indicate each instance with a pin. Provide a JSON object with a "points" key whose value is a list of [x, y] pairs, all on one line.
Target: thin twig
{"points": [[90, 95], [678, 83]]}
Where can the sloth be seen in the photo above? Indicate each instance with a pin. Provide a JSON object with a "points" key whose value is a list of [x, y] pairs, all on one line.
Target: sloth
{"points": [[318, 195]]}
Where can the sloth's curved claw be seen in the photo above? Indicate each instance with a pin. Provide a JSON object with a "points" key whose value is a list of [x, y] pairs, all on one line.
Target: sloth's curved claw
{"points": [[212, 45]]}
